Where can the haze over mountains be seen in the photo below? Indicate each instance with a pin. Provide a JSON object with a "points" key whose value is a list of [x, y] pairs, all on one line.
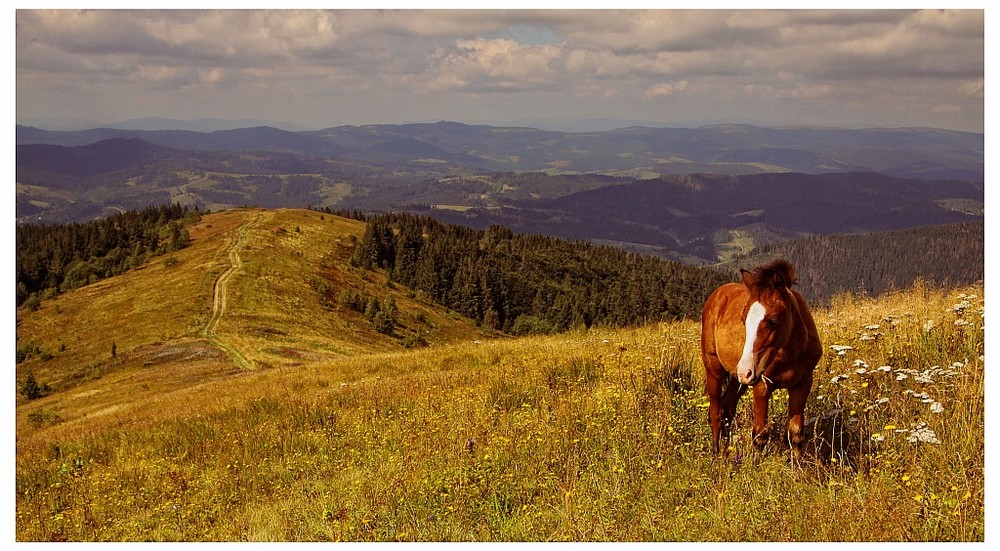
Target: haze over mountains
{"points": [[697, 195], [905, 152], [158, 123]]}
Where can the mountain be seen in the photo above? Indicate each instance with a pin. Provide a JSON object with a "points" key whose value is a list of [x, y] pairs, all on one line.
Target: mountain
{"points": [[693, 218], [201, 125], [702, 218], [159, 123], [106, 156], [729, 149], [262, 138]]}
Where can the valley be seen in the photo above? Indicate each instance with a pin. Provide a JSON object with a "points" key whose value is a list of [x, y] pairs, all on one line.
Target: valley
{"points": [[676, 189]]}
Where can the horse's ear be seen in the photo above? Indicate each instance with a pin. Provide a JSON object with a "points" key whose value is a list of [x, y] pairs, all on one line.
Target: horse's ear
{"points": [[747, 277]]}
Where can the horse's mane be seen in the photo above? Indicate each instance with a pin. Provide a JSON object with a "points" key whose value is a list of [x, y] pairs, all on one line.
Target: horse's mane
{"points": [[778, 274]]}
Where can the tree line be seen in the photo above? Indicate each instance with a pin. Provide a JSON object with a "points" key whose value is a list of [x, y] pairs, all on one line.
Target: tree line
{"points": [[530, 283], [874, 263], [54, 258]]}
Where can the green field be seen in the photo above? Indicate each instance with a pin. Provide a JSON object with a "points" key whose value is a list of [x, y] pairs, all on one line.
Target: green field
{"points": [[332, 431]]}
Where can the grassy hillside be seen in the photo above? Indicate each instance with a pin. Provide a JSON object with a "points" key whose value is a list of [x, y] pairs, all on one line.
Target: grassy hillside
{"points": [[338, 433], [280, 268]]}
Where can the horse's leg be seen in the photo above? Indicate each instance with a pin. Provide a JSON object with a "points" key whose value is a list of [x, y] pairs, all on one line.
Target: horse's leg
{"points": [[714, 374], [730, 398], [796, 408], [761, 400]]}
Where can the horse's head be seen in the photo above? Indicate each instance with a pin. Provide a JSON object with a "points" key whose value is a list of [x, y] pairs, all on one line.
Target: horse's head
{"points": [[767, 317]]}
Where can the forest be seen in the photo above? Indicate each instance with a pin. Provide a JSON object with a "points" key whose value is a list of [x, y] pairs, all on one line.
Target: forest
{"points": [[871, 264], [523, 284], [54, 258]]}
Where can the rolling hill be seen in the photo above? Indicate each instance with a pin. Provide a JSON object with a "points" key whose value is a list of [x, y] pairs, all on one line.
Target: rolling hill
{"points": [[252, 283], [696, 218], [475, 174], [727, 149], [693, 218], [215, 394]]}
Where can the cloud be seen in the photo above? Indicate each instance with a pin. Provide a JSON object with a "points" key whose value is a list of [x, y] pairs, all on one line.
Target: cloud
{"points": [[608, 60], [497, 64], [664, 89]]}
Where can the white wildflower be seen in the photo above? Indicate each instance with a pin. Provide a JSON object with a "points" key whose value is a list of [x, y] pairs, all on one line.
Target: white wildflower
{"points": [[900, 376], [878, 437], [884, 368], [841, 349], [837, 378], [928, 325], [877, 403], [921, 433], [872, 327], [936, 407]]}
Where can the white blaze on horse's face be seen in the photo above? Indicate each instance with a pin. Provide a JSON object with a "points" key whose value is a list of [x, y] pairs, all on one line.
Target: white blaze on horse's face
{"points": [[745, 368]]}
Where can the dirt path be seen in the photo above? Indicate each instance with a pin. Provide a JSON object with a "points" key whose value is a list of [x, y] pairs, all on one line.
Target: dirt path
{"points": [[220, 292]]}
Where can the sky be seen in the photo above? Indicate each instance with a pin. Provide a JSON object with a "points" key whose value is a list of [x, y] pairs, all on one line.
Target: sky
{"points": [[323, 68]]}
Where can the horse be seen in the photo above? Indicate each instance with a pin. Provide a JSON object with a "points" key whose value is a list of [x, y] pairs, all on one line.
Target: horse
{"points": [[758, 333]]}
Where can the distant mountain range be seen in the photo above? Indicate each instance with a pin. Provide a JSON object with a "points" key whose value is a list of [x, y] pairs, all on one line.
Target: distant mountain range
{"points": [[695, 195], [701, 218], [636, 151], [160, 123]]}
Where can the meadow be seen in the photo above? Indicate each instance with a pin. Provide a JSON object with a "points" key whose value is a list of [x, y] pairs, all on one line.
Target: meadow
{"points": [[588, 435]]}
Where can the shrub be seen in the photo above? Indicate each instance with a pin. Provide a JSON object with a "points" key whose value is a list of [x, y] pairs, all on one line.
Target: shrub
{"points": [[527, 324], [30, 388], [33, 303], [28, 351]]}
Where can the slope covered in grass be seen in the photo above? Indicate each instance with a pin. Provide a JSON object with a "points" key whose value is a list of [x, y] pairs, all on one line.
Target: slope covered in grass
{"points": [[596, 435], [254, 285]]}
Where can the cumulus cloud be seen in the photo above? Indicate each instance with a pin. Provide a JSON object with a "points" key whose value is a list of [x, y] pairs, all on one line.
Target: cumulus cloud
{"points": [[614, 59], [497, 64], [664, 89]]}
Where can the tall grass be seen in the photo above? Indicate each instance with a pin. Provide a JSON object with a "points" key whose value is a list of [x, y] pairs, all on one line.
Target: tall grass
{"points": [[597, 435]]}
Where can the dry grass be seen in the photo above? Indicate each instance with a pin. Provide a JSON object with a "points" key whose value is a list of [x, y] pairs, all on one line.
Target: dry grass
{"points": [[598, 435]]}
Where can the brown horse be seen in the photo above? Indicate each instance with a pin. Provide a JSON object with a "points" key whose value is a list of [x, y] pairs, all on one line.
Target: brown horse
{"points": [[758, 333]]}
